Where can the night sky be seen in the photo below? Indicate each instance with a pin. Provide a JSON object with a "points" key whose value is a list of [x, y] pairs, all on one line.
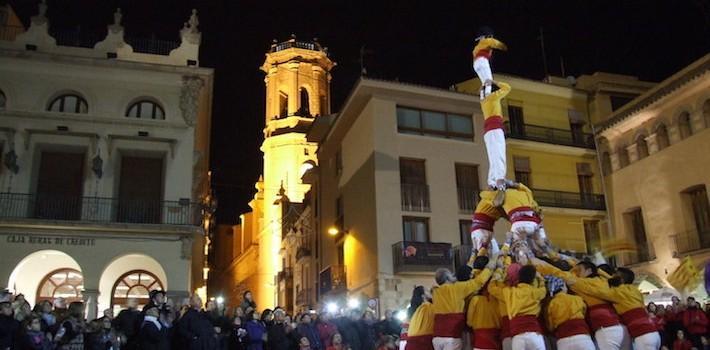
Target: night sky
{"points": [[427, 42]]}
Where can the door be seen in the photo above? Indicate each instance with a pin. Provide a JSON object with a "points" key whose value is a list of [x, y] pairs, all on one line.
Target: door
{"points": [[59, 186], [140, 190]]}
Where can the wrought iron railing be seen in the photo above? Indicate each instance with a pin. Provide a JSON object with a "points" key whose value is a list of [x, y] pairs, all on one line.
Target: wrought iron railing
{"points": [[468, 199], [98, 209], [415, 197], [295, 44], [333, 279], [563, 199], [76, 38], [9, 33], [461, 254], [691, 240], [152, 45], [549, 135], [421, 256]]}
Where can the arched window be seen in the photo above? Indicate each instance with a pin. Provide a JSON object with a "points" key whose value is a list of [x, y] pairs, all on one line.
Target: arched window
{"points": [[684, 125], [65, 283], [641, 147], [69, 103], [305, 105], [3, 100], [623, 157], [134, 284], [283, 104], [606, 163], [145, 109], [662, 138], [706, 113]]}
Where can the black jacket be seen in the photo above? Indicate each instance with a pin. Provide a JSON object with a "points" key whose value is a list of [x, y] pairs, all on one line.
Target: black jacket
{"points": [[196, 331], [277, 337], [127, 322], [152, 338], [9, 332], [349, 331]]}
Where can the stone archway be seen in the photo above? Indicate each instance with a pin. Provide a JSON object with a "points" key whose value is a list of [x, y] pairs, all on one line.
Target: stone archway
{"points": [[123, 266], [36, 267]]}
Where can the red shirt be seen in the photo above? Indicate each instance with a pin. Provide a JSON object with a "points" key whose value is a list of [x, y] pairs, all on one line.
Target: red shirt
{"points": [[684, 344], [695, 321]]}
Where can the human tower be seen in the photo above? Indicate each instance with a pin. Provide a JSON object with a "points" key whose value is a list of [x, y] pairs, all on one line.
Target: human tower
{"points": [[523, 294]]}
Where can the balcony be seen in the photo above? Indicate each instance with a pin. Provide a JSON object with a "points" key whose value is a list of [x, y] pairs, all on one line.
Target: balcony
{"points": [[549, 135], [691, 241], [574, 200], [303, 297], [461, 254], [8, 33], [641, 256], [421, 256], [333, 280], [415, 197], [284, 275], [98, 209], [468, 199]]}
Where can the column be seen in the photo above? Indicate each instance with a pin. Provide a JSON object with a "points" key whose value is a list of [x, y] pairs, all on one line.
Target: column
{"points": [[696, 121], [615, 164], [674, 133], [293, 95], [652, 142], [316, 84], [633, 153], [91, 299]]}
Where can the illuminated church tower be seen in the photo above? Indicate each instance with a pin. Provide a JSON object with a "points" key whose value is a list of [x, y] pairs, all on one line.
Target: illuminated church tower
{"points": [[297, 91]]}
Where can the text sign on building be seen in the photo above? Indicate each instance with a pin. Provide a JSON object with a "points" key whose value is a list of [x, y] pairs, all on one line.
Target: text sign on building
{"points": [[50, 240]]}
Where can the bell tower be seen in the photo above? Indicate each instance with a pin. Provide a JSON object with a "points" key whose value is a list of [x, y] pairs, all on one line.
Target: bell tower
{"points": [[297, 91]]}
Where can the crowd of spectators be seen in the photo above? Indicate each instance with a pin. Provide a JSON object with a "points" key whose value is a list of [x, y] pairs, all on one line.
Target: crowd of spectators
{"points": [[683, 325], [191, 325]]}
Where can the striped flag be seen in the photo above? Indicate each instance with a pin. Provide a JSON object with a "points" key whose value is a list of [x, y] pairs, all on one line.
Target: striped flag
{"points": [[686, 277]]}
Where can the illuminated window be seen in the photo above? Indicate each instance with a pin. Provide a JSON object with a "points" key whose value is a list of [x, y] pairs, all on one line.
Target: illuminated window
{"points": [[65, 283], [69, 103], [134, 284], [437, 124], [145, 109]]}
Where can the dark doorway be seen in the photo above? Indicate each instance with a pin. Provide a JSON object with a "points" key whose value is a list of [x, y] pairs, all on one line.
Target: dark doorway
{"points": [[140, 190], [60, 186]]}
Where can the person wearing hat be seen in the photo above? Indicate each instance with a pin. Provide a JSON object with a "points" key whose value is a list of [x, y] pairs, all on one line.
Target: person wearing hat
{"points": [[565, 317], [482, 54], [152, 334]]}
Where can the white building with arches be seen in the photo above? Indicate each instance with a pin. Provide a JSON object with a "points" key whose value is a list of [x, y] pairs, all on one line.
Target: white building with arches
{"points": [[655, 155], [104, 150]]}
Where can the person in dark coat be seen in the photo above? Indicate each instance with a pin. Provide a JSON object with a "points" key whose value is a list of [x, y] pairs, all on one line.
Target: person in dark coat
{"points": [[128, 322], [308, 330], [278, 337], [9, 327], [247, 301], [366, 330], [153, 335], [238, 337], [348, 328], [256, 332], [195, 329], [390, 325]]}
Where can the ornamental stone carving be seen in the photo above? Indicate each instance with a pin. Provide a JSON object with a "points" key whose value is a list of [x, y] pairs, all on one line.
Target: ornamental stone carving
{"points": [[191, 86]]}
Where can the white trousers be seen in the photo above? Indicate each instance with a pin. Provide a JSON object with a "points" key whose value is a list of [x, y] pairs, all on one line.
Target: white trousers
{"points": [[446, 343], [508, 343], [479, 237], [495, 147], [483, 70], [648, 341], [610, 338], [402, 344], [576, 342], [528, 341]]}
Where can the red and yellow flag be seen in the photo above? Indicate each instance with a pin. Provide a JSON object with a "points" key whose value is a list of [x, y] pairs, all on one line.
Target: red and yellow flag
{"points": [[686, 277]]}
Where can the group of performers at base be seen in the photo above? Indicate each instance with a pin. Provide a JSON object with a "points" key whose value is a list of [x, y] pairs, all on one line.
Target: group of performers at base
{"points": [[512, 306]]}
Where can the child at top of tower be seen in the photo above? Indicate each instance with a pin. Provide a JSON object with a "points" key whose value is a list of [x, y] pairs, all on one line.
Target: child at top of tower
{"points": [[482, 53]]}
